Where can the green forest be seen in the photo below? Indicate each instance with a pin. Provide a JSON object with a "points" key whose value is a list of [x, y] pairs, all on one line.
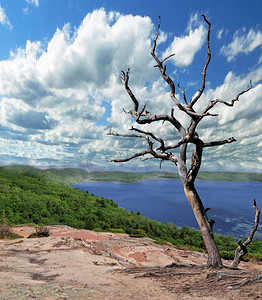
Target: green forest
{"points": [[71, 176], [44, 197]]}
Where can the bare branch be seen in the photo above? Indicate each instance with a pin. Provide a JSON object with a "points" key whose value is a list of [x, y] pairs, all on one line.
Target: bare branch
{"points": [[183, 93], [193, 101], [162, 69], [162, 117], [125, 135], [156, 36], [149, 117], [169, 56], [147, 158], [219, 143], [189, 110], [194, 114], [148, 151], [125, 79], [231, 103], [183, 141], [164, 156], [130, 157], [152, 135]]}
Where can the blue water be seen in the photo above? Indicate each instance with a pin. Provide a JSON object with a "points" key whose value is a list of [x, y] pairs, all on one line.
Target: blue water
{"points": [[164, 200]]}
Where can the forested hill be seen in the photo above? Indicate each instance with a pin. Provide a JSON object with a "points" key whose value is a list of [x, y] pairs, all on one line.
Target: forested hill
{"points": [[70, 176], [33, 196]]}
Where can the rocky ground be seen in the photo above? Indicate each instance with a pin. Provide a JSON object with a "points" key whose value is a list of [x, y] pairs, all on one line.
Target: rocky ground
{"points": [[81, 264]]}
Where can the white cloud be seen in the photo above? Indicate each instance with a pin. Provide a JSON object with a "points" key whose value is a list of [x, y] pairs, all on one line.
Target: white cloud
{"points": [[243, 42], [25, 10], [220, 33], [54, 93], [242, 121], [4, 19], [185, 47], [52, 108], [33, 2]]}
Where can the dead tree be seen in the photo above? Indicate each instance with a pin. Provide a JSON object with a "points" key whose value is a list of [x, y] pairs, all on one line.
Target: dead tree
{"points": [[242, 248], [189, 135]]}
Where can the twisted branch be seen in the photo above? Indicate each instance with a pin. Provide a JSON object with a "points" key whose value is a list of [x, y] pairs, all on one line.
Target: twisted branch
{"points": [[162, 69], [183, 93], [125, 79], [150, 150], [231, 103], [193, 101], [152, 135]]}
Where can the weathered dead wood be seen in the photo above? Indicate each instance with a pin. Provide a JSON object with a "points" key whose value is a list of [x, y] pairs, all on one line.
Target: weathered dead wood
{"points": [[242, 249], [194, 100], [231, 103], [235, 280], [167, 273], [163, 151], [174, 269], [150, 150]]}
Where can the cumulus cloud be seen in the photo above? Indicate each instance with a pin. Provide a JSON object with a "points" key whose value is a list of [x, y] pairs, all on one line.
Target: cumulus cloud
{"points": [[185, 47], [240, 121], [55, 92], [60, 98], [4, 19], [243, 42], [31, 119]]}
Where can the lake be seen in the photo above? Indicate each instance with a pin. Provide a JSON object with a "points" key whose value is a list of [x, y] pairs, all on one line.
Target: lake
{"points": [[164, 200]]}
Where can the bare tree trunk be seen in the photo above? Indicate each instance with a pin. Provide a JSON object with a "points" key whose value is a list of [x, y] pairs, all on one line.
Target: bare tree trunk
{"points": [[205, 226]]}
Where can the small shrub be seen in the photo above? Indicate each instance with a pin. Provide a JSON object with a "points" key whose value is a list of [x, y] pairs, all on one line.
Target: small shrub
{"points": [[6, 233], [40, 232], [253, 257], [4, 228], [228, 255], [138, 233], [116, 230], [98, 229], [159, 241]]}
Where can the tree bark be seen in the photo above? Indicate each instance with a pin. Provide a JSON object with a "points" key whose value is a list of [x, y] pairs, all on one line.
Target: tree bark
{"points": [[205, 226]]}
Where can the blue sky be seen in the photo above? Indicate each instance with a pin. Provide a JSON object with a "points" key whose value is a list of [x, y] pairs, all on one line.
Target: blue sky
{"points": [[60, 91]]}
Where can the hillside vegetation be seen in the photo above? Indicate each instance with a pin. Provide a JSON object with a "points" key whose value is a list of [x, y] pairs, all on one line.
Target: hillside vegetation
{"points": [[72, 176], [33, 196]]}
